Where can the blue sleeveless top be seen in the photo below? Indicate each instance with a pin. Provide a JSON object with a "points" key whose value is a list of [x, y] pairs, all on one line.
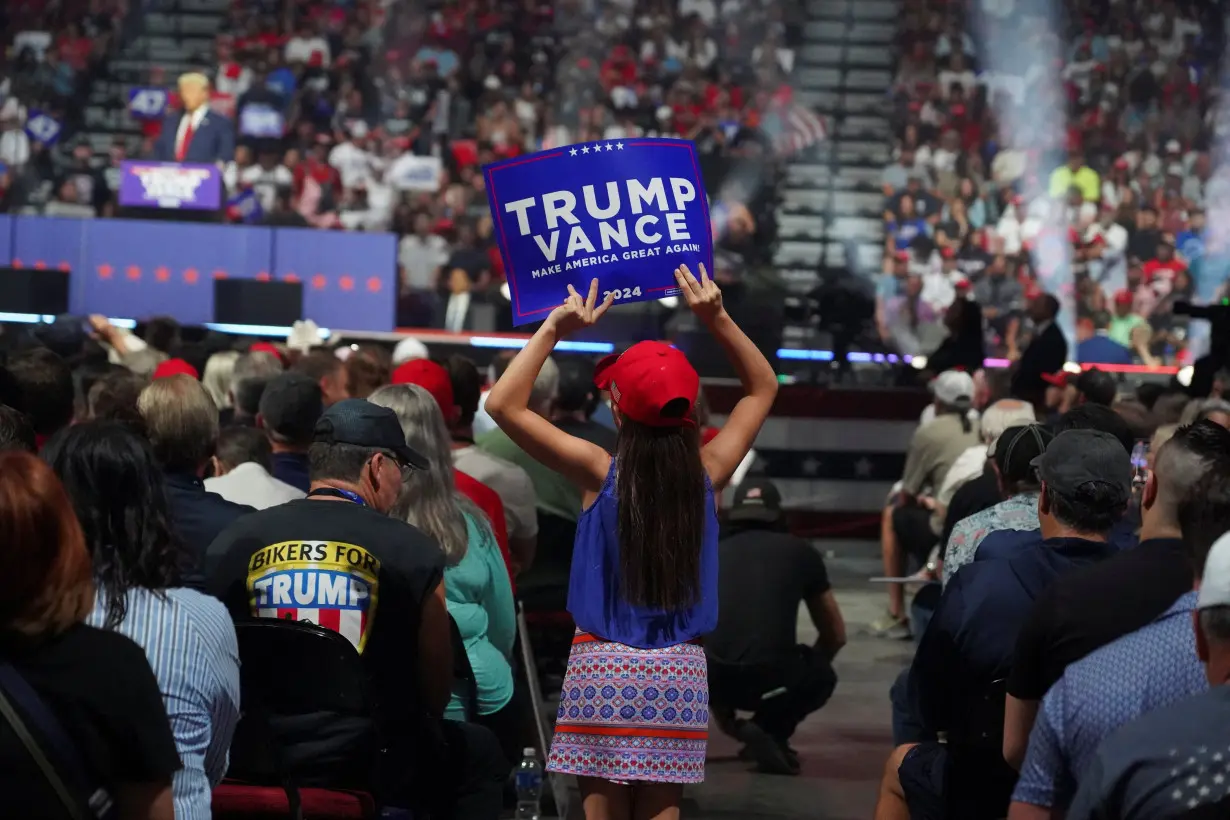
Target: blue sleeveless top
{"points": [[595, 596]]}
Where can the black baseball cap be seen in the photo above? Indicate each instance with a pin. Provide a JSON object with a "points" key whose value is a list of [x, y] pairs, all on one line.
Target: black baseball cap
{"points": [[756, 500], [291, 405], [363, 424], [1076, 459], [1097, 386]]}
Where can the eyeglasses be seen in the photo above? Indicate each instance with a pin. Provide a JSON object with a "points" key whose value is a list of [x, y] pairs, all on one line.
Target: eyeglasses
{"points": [[402, 467]]}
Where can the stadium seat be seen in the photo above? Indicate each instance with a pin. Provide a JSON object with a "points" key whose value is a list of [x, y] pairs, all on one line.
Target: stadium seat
{"points": [[240, 801], [300, 683], [543, 592]]}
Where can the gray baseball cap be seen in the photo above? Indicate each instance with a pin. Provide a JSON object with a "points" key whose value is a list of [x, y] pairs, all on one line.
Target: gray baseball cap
{"points": [[1078, 459]]}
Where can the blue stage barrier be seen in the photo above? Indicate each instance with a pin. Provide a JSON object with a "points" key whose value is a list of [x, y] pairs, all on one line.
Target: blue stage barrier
{"points": [[137, 269]]}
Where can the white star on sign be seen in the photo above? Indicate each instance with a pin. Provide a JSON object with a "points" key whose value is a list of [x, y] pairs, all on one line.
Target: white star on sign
{"points": [[811, 466], [1204, 791], [609, 147], [585, 150], [862, 467], [573, 152], [1177, 794], [619, 145]]}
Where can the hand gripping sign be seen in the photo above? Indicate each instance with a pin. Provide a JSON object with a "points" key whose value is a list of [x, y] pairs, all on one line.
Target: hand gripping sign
{"points": [[626, 212]]}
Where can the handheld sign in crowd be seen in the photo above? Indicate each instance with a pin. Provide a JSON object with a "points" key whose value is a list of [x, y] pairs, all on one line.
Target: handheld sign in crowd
{"points": [[626, 212], [43, 128], [149, 184], [147, 103]]}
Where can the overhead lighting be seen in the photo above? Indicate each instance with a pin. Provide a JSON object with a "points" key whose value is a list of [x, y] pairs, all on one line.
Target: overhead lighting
{"points": [[669, 302], [565, 346], [1185, 375], [919, 362]]}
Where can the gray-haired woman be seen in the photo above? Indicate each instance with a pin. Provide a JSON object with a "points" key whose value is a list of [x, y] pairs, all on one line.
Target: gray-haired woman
{"points": [[476, 582]]}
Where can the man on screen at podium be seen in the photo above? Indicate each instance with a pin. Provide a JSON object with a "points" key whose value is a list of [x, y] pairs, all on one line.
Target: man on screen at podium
{"points": [[196, 134]]}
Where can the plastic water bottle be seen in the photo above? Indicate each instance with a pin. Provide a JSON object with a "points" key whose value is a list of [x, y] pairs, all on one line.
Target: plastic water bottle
{"points": [[529, 785]]}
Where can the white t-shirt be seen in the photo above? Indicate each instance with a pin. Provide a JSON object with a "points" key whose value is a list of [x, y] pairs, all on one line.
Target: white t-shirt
{"points": [[250, 484], [420, 258], [511, 483], [267, 182], [353, 164], [301, 49]]}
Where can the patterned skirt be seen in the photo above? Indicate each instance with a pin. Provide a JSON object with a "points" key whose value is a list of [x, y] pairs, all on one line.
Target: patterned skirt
{"points": [[629, 714]]}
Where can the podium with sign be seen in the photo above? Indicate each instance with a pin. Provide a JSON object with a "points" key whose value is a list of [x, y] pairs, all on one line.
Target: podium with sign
{"points": [[179, 191], [626, 212]]}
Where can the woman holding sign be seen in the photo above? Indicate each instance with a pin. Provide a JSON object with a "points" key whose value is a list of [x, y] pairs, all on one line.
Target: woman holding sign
{"points": [[633, 719]]}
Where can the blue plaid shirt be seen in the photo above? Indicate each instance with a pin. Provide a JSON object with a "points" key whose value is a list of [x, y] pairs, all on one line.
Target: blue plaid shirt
{"points": [[190, 642], [1154, 666]]}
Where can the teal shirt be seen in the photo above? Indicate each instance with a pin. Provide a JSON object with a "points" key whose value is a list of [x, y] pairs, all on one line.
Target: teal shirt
{"points": [[480, 600]]}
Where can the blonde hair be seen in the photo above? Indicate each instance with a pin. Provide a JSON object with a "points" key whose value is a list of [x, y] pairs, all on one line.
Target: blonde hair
{"points": [[181, 421], [217, 377], [430, 500], [193, 78]]}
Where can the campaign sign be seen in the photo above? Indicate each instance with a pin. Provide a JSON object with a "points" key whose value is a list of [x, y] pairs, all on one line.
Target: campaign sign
{"points": [[147, 103], [626, 212], [43, 128], [415, 173], [188, 185], [261, 121]]}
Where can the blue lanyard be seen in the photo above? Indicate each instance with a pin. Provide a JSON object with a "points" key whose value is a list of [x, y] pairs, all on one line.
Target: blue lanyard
{"points": [[333, 492]]}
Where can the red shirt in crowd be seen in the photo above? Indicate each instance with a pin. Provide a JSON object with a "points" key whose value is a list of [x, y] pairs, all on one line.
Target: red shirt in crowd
{"points": [[322, 172], [487, 500]]}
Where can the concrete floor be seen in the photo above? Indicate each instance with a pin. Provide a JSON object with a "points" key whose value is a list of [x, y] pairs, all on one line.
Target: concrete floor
{"points": [[843, 746]]}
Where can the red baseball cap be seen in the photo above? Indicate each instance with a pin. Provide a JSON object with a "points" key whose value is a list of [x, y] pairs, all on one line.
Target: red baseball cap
{"points": [[431, 377], [1123, 297], [647, 377], [175, 367], [270, 348], [1058, 379]]}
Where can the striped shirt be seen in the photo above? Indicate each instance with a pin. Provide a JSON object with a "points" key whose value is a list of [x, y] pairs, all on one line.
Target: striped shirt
{"points": [[190, 642]]}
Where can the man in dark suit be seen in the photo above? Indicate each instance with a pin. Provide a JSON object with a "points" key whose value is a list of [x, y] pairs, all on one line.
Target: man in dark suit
{"points": [[196, 134], [181, 421], [1047, 351], [464, 309]]}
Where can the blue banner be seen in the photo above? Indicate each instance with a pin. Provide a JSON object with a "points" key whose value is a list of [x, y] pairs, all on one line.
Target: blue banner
{"points": [[43, 128], [258, 120], [136, 269], [626, 212], [147, 103]]}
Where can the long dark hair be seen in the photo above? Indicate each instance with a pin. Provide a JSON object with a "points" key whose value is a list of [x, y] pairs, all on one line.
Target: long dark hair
{"points": [[112, 480], [660, 484]]}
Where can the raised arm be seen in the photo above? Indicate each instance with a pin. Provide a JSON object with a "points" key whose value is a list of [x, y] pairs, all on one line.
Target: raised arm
{"points": [[722, 455], [580, 461]]}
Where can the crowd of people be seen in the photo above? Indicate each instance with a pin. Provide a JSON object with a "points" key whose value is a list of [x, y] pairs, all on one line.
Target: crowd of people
{"points": [[166, 503], [379, 118], [1076, 155], [1064, 664]]}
